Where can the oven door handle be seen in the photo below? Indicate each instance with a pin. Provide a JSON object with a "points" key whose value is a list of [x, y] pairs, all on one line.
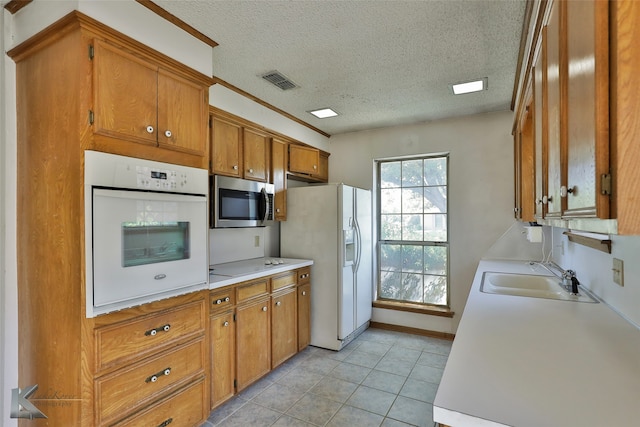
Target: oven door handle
{"points": [[264, 205]]}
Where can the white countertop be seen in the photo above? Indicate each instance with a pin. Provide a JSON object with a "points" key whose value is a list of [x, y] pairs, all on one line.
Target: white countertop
{"points": [[521, 361], [240, 271]]}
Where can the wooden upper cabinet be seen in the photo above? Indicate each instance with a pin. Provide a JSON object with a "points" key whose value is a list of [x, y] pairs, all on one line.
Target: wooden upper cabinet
{"points": [[255, 146], [182, 114], [279, 178], [303, 159], [587, 108], [125, 95], [139, 101], [525, 164], [556, 107], [540, 131], [323, 167], [226, 147]]}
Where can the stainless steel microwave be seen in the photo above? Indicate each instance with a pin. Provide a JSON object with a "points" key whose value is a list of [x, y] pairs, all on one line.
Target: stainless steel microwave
{"points": [[239, 202]]}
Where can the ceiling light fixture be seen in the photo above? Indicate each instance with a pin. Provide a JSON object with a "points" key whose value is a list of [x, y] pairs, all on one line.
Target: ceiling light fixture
{"points": [[469, 87], [323, 113]]}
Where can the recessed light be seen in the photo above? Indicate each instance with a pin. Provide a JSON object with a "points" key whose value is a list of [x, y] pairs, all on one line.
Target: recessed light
{"points": [[323, 113], [469, 87]]}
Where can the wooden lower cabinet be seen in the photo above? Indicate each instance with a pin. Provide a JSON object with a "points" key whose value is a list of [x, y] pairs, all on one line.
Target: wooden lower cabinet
{"points": [[185, 408], [304, 315], [253, 341], [223, 351], [284, 331], [254, 327]]}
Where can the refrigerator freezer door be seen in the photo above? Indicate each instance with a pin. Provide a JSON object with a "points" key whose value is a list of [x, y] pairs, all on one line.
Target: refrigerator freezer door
{"points": [[364, 273], [347, 285]]}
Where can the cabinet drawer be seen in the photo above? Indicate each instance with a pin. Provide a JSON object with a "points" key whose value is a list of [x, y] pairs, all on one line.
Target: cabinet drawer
{"points": [[133, 339], [284, 280], [141, 383], [304, 275], [185, 408], [220, 300], [250, 290]]}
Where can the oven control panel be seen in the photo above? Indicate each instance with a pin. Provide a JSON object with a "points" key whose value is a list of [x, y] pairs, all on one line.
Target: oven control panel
{"points": [[160, 179], [110, 170]]}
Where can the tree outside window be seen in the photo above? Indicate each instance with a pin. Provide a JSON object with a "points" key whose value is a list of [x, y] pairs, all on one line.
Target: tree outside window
{"points": [[413, 243]]}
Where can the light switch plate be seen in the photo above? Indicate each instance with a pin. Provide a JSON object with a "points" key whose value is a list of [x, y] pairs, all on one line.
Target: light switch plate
{"points": [[618, 271]]}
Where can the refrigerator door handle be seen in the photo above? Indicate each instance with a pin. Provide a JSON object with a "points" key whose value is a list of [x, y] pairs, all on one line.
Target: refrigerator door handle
{"points": [[358, 248]]}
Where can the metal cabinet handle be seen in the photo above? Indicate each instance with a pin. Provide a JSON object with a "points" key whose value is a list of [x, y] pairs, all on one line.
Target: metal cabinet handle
{"points": [[304, 293], [225, 324], [150, 129], [235, 167], [153, 378], [250, 170], [315, 167], [278, 210], [264, 308], [278, 303], [154, 331], [166, 422]]}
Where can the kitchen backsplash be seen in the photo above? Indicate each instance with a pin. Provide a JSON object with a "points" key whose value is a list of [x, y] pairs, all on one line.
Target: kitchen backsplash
{"points": [[234, 244]]}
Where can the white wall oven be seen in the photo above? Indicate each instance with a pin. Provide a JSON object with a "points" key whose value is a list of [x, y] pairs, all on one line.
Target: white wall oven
{"points": [[145, 231]]}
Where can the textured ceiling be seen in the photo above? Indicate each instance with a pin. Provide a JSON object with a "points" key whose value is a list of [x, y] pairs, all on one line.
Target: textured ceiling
{"points": [[378, 63]]}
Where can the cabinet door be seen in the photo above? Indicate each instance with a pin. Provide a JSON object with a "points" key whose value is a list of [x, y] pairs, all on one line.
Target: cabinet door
{"points": [[279, 176], [226, 147], [253, 342], [125, 95], [255, 155], [323, 167], [524, 162], [222, 357], [182, 114], [556, 82], [284, 332], [304, 316], [540, 122], [303, 159], [588, 108]]}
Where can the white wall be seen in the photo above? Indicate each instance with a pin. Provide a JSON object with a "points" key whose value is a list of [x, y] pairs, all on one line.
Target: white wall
{"points": [[480, 190], [593, 269]]}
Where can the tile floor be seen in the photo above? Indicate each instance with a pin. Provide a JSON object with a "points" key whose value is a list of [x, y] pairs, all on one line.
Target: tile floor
{"points": [[382, 378]]}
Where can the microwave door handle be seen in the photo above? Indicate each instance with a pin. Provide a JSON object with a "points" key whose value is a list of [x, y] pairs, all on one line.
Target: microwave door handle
{"points": [[265, 204]]}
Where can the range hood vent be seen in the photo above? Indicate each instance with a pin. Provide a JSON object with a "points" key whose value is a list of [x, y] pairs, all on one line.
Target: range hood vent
{"points": [[278, 79]]}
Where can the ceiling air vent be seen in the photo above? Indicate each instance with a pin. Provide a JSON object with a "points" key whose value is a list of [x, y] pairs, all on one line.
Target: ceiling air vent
{"points": [[278, 79]]}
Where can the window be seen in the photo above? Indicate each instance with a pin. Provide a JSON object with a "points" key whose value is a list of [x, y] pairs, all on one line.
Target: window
{"points": [[413, 242]]}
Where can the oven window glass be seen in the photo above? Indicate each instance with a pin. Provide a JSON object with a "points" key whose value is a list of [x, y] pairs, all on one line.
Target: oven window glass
{"points": [[241, 205], [156, 235]]}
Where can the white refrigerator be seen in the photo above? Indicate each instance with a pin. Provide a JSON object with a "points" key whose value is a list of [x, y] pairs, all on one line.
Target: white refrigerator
{"points": [[331, 224]]}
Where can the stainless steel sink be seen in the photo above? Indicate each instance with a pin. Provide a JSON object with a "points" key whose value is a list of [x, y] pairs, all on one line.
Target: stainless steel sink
{"points": [[529, 285]]}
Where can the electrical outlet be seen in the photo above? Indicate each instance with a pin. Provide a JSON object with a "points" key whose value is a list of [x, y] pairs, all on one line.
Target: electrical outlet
{"points": [[618, 271], [256, 241]]}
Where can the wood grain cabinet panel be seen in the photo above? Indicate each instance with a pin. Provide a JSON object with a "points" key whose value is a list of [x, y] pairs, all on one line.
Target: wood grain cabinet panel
{"points": [[226, 147], [138, 385], [253, 341], [223, 353], [284, 330], [130, 340], [279, 157], [303, 159], [255, 155], [304, 316], [185, 408]]}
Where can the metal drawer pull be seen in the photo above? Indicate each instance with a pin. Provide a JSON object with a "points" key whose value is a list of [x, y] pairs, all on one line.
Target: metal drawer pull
{"points": [[153, 332], [166, 422], [221, 300], [153, 378]]}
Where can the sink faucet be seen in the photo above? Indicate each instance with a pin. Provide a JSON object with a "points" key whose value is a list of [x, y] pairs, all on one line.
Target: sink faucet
{"points": [[569, 279]]}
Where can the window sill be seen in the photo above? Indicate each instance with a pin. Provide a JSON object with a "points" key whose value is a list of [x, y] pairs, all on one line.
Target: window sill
{"points": [[414, 308]]}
